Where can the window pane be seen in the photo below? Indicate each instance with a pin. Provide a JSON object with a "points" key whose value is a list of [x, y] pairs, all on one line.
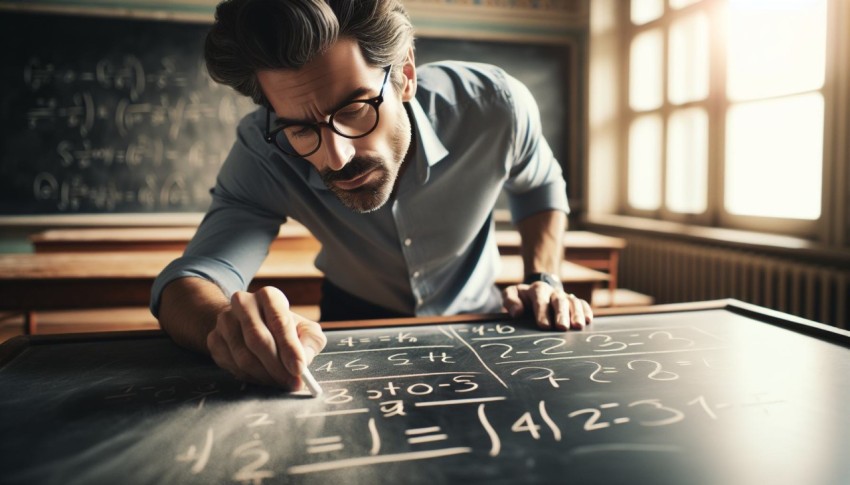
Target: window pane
{"points": [[775, 47], [687, 161], [682, 3], [645, 88], [645, 162], [644, 11], [688, 59], [774, 157]]}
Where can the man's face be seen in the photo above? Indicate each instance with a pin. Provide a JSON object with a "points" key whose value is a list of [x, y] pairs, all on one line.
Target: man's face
{"points": [[361, 172]]}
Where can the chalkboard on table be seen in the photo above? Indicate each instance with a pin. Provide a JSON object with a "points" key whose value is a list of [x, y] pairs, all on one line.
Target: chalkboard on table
{"points": [[725, 394], [118, 115]]}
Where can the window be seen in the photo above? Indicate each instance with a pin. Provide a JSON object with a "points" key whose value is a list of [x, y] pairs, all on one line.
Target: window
{"points": [[725, 112]]}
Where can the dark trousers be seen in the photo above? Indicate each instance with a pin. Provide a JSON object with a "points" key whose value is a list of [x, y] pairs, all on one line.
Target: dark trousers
{"points": [[338, 304]]}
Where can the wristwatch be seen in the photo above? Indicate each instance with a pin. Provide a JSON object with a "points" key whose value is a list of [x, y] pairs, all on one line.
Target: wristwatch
{"points": [[548, 278]]}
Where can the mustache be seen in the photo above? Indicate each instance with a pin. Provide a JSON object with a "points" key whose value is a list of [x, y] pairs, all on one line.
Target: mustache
{"points": [[356, 167]]}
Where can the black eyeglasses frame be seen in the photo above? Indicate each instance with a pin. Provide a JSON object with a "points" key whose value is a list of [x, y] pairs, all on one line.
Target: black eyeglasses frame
{"points": [[375, 102]]}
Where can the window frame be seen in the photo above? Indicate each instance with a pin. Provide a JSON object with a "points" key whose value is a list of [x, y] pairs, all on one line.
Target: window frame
{"points": [[717, 106]]}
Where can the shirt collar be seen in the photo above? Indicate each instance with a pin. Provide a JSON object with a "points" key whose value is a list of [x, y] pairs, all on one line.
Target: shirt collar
{"points": [[429, 148]]}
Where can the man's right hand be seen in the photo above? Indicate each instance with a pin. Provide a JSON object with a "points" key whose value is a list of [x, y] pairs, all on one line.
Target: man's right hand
{"points": [[258, 339]]}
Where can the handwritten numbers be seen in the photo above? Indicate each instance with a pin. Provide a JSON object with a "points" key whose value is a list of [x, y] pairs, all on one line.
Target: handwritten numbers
{"points": [[259, 419], [200, 458], [525, 423], [704, 405], [251, 472], [675, 415], [504, 354], [499, 329], [392, 408], [591, 423], [465, 379], [338, 396], [442, 357], [549, 375], [669, 336], [548, 350], [351, 365], [400, 359], [657, 374], [608, 344]]}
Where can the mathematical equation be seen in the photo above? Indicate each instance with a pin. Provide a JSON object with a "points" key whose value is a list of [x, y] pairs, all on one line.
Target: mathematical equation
{"points": [[124, 132], [414, 395]]}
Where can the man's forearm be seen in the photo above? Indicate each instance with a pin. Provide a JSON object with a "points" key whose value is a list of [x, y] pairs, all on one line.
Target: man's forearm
{"points": [[188, 311], [542, 241]]}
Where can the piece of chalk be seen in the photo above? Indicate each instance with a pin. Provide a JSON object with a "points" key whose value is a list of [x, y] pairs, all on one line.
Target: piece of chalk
{"points": [[311, 383]]}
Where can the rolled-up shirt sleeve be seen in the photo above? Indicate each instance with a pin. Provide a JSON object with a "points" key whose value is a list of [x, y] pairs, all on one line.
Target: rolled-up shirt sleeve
{"points": [[233, 239], [535, 182]]}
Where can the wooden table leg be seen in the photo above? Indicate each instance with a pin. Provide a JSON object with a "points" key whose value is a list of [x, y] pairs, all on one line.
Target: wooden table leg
{"points": [[30, 323]]}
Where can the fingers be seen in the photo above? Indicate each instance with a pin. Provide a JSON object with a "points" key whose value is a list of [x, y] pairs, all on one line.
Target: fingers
{"points": [[274, 311], [312, 338], [228, 349], [550, 307], [512, 302], [258, 339]]}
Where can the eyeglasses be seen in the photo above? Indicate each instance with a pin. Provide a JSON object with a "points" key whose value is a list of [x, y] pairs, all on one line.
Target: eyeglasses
{"points": [[355, 119]]}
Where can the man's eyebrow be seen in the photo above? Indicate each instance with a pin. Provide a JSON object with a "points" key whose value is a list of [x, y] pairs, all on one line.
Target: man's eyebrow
{"points": [[353, 96]]}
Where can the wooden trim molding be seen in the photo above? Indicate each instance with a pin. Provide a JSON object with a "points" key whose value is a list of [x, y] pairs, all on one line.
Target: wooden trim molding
{"points": [[554, 21]]}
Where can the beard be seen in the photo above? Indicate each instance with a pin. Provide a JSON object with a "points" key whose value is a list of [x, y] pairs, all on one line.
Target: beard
{"points": [[372, 196], [369, 197]]}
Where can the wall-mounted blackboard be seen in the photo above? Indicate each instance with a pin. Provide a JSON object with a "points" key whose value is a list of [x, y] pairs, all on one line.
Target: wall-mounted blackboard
{"points": [[116, 115], [108, 115], [731, 395]]}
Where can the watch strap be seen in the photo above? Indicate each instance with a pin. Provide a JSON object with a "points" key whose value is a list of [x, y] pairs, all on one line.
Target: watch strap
{"points": [[548, 278]]}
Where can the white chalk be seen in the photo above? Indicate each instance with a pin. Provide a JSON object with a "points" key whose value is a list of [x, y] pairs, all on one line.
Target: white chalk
{"points": [[311, 383]]}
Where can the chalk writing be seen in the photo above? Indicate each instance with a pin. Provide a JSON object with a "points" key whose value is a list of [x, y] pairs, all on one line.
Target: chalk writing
{"points": [[136, 128]]}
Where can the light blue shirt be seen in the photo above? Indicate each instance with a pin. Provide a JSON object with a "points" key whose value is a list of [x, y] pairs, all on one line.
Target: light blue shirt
{"points": [[431, 249]]}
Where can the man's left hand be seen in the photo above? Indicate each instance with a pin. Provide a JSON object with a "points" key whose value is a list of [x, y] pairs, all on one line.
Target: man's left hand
{"points": [[552, 308]]}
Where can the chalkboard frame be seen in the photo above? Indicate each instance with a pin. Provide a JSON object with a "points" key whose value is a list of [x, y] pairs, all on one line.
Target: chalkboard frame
{"points": [[10, 349]]}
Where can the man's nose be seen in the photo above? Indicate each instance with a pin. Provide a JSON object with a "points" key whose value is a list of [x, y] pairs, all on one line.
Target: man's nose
{"points": [[338, 149]]}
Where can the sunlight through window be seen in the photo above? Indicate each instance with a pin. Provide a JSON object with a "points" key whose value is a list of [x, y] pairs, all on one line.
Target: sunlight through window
{"points": [[775, 47], [688, 61], [645, 162], [774, 157], [643, 11], [682, 3], [687, 161], [645, 82]]}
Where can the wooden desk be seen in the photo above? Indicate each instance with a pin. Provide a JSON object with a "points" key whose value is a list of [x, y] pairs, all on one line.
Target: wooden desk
{"points": [[588, 249], [56, 281], [292, 236], [715, 394]]}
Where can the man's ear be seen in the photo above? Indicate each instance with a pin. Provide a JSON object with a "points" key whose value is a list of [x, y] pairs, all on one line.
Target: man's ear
{"points": [[408, 90]]}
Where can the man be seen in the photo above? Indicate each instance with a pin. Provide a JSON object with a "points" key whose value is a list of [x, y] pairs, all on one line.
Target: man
{"points": [[395, 169]]}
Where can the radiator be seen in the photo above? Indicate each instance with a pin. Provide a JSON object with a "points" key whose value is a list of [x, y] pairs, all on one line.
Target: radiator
{"points": [[678, 272]]}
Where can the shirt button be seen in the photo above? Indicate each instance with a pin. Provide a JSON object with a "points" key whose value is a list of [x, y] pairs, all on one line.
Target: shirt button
{"points": [[416, 274], [419, 301], [408, 242]]}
